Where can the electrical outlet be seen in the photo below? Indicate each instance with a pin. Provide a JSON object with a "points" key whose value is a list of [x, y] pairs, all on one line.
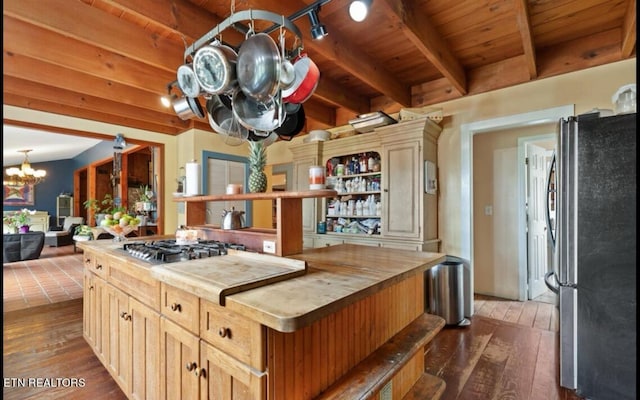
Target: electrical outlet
{"points": [[269, 247]]}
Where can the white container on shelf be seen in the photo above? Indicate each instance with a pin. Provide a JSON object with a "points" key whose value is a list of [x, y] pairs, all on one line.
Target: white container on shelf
{"points": [[316, 177]]}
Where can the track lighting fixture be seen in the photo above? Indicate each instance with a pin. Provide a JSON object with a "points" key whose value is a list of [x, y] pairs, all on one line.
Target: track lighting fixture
{"points": [[168, 99], [318, 30], [359, 9]]}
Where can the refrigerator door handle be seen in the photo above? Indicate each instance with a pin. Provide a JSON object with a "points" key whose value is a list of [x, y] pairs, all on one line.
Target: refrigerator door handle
{"points": [[550, 191], [554, 288]]}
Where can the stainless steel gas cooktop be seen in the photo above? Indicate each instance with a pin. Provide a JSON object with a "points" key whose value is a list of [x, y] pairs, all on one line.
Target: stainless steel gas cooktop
{"points": [[167, 250]]}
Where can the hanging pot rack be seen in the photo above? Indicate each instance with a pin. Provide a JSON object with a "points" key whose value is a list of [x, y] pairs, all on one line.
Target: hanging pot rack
{"points": [[235, 21], [243, 22]]}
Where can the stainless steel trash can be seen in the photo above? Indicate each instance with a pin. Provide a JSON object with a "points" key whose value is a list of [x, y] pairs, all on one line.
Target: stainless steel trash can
{"points": [[446, 291]]}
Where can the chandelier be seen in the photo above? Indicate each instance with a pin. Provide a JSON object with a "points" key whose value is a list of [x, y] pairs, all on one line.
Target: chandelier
{"points": [[25, 175]]}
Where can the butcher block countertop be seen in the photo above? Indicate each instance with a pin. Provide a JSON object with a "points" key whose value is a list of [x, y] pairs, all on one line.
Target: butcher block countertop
{"points": [[299, 290], [214, 278], [336, 277]]}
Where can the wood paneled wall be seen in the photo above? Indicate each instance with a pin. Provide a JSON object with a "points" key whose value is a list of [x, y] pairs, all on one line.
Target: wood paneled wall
{"points": [[344, 339]]}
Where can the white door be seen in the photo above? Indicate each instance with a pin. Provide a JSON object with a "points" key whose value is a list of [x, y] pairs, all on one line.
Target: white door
{"points": [[536, 219]]}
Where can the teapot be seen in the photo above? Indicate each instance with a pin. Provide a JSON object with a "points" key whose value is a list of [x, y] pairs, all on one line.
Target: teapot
{"points": [[232, 219]]}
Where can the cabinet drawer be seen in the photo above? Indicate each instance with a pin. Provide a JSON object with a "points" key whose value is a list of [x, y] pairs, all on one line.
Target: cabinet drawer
{"points": [[136, 281], [181, 307], [96, 264], [234, 334]]}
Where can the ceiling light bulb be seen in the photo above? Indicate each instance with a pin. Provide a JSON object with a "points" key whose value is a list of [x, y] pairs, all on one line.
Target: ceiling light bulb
{"points": [[358, 10], [166, 101]]}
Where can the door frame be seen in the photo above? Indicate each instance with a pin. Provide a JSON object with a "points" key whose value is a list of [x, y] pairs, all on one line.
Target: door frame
{"points": [[467, 131]]}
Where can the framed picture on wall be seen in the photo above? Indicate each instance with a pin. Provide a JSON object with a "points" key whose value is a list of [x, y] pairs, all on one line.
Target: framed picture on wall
{"points": [[18, 195]]}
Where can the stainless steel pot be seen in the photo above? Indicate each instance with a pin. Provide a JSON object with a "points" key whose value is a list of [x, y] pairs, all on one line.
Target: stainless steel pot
{"points": [[187, 108], [259, 66], [256, 115], [232, 219]]}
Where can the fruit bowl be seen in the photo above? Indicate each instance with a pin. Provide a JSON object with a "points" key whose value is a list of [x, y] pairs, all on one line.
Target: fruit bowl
{"points": [[119, 232]]}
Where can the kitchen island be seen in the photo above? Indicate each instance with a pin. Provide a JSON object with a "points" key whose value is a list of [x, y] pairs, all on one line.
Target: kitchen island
{"points": [[302, 335]]}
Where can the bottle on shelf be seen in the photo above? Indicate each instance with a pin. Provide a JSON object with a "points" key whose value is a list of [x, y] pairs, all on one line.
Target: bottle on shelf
{"points": [[363, 163]]}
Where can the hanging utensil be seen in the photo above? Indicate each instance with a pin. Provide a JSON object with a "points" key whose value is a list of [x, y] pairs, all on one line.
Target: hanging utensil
{"points": [[287, 73]]}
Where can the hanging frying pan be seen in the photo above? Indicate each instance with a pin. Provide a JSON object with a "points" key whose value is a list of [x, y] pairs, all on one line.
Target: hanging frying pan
{"points": [[258, 67], [293, 124]]}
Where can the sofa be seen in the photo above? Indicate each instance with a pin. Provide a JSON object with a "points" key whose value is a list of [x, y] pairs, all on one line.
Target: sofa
{"points": [[63, 236], [22, 246]]}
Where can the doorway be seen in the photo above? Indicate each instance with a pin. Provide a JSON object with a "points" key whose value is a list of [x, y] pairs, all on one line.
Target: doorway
{"points": [[467, 133]]}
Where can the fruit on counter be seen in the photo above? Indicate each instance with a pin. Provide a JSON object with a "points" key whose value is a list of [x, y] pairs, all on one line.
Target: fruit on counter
{"points": [[119, 219]]}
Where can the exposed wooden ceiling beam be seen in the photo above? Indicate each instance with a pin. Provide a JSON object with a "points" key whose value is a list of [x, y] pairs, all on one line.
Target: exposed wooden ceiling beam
{"points": [[86, 59], [524, 27], [421, 32], [77, 112], [108, 32], [629, 30]]}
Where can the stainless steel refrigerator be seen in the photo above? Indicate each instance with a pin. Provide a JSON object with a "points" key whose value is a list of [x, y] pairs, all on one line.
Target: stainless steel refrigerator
{"points": [[593, 183]]}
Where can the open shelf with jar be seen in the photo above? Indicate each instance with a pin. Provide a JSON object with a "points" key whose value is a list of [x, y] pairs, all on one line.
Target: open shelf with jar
{"points": [[357, 209], [405, 212]]}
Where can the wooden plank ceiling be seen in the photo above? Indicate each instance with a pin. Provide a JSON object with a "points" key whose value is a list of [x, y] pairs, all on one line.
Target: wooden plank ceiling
{"points": [[111, 60]]}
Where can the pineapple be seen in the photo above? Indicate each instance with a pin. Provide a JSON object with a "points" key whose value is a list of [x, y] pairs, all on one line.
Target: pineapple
{"points": [[257, 161]]}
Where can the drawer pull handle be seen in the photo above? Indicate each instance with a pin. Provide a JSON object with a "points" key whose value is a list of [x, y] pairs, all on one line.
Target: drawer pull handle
{"points": [[99, 266], [176, 307], [224, 332], [126, 316], [190, 366], [90, 287]]}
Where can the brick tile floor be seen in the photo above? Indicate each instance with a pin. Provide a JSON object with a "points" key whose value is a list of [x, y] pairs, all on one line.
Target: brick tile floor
{"points": [[55, 276]]}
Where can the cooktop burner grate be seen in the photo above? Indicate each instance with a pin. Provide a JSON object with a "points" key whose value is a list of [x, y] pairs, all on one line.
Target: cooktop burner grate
{"points": [[167, 250]]}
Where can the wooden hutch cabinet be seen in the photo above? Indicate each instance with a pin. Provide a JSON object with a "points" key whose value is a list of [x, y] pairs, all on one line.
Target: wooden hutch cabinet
{"points": [[402, 216]]}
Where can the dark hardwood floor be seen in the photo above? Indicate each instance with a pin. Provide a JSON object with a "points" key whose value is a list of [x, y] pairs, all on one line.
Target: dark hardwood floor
{"points": [[46, 357], [510, 351]]}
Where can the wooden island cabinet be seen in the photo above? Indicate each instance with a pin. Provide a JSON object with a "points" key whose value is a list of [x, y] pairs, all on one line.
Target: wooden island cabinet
{"points": [[292, 339], [338, 322]]}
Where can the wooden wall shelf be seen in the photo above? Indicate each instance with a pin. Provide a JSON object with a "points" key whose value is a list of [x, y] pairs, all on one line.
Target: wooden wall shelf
{"points": [[288, 234]]}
